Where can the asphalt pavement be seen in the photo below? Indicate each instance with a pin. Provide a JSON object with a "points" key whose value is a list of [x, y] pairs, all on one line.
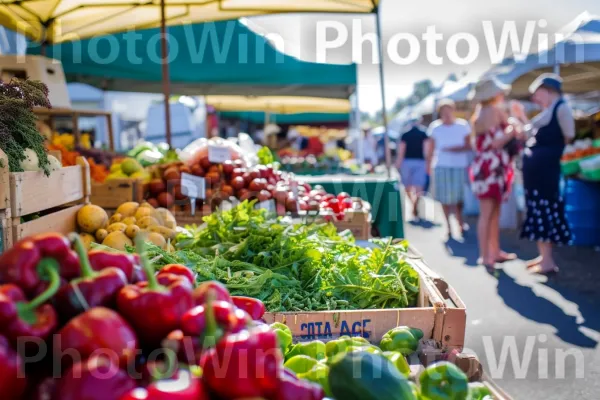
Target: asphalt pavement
{"points": [[537, 337]]}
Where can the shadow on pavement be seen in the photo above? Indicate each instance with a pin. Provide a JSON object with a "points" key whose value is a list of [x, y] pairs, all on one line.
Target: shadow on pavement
{"points": [[423, 223], [526, 302], [466, 249]]}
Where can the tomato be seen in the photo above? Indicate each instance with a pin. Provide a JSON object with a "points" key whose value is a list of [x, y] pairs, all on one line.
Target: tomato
{"points": [[347, 203], [340, 216], [334, 204], [343, 196]]}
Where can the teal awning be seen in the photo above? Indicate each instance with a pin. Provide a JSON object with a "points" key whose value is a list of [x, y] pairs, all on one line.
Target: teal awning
{"points": [[289, 119], [212, 58]]}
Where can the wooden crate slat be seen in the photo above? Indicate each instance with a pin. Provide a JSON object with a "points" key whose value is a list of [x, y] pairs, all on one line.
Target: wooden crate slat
{"points": [[112, 193], [63, 221], [33, 191]]}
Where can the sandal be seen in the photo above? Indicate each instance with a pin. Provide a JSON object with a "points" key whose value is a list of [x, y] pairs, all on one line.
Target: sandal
{"points": [[505, 257], [535, 262], [537, 269]]}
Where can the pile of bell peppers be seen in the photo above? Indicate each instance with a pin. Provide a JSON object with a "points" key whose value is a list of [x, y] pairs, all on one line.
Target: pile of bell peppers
{"points": [[108, 326]]}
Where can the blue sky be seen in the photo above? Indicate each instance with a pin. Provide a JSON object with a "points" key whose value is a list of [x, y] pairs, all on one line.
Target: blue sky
{"points": [[413, 17]]}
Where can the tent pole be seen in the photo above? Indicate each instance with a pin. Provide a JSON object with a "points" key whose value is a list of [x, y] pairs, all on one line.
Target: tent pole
{"points": [[386, 138], [557, 69], [165, 70]]}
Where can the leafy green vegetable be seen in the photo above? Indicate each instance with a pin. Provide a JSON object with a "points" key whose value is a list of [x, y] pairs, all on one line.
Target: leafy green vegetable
{"points": [[294, 267]]}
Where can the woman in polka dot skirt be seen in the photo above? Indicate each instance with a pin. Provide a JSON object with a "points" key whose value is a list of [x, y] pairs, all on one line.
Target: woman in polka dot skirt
{"points": [[553, 128]]}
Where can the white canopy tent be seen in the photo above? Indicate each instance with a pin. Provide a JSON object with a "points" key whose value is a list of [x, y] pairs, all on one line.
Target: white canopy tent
{"points": [[576, 57], [456, 91]]}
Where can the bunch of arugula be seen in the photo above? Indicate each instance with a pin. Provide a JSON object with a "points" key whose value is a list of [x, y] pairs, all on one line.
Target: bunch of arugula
{"points": [[294, 267]]}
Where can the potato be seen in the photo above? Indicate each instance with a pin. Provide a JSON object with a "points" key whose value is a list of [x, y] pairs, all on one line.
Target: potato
{"points": [[129, 220], [90, 218], [168, 234], [156, 239], [117, 240], [128, 209], [87, 240], [144, 212], [167, 217], [132, 231], [146, 204], [116, 227], [101, 234], [147, 222], [115, 218]]}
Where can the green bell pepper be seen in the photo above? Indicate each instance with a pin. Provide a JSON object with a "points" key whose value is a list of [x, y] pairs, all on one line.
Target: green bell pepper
{"points": [[318, 374], [478, 391], [300, 364], [314, 349], [344, 344], [284, 335], [444, 381], [399, 361], [402, 339], [415, 390]]}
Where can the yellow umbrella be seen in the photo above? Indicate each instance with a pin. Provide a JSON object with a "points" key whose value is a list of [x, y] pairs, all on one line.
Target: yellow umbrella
{"points": [[279, 104], [55, 21]]}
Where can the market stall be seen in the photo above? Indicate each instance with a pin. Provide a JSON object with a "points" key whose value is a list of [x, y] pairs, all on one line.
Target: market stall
{"points": [[381, 192]]}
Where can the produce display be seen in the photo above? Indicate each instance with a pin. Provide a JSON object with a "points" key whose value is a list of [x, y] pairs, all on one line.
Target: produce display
{"points": [[147, 154], [161, 335], [19, 136], [131, 219], [128, 168], [294, 267], [575, 154]]}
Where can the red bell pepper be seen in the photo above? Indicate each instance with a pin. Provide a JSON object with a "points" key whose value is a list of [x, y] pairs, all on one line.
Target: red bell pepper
{"points": [[35, 319], [182, 386], [220, 292], [244, 365], [92, 289], [180, 270], [151, 308], [254, 307], [200, 328], [291, 388], [98, 329], [12, 375], [97, 378], [19, 264], [128, 263]]}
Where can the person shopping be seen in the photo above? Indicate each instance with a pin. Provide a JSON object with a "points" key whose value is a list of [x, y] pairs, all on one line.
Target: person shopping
{"points": [[414, 160], [450, 137], [491, 171], [552, 129]]}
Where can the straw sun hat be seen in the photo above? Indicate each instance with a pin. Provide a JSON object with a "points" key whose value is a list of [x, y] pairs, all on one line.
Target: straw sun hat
{"points": [[487, 89]]}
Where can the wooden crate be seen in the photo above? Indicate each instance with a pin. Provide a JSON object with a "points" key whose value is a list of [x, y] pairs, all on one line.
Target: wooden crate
{"points": [[441, 319], [58, 196], [360, 228], [112, 193]]}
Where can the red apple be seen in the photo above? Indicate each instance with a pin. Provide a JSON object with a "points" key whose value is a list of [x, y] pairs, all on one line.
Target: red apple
{"points": [[228, 190], [291, 204], [205, 163], [303, 205], [165, 199], [343, 196], [185, 169], [264, 195], [238, 183], [172, 175], [280, 195], [197, 171], [153, 202], [157, 186], [228, 167]]}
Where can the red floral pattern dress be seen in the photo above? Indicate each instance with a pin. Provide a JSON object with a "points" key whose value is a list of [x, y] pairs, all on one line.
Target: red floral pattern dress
{"points": [[491, 172]]}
